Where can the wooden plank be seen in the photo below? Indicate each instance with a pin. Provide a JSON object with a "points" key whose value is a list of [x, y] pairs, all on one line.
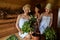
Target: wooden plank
{"points": [[12, 16], [7, 21], [8, 31], [5, 26]]}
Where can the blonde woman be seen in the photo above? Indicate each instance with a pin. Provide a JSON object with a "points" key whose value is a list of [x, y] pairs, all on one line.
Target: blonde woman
{"points": [[21, 19], [46, 18]]}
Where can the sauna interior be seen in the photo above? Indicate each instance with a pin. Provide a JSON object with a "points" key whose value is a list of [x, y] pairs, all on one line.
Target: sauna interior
{"points": [[12, 8]]}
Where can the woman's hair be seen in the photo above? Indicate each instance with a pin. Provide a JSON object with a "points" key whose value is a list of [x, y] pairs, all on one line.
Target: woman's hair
{"points": [[26, 6], [38, 6], [49, 6]]}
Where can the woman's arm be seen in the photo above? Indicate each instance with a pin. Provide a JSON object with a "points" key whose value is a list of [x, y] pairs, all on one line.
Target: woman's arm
{"points": [[17, 25], [41, 16], [51, 19], [39, 19]]}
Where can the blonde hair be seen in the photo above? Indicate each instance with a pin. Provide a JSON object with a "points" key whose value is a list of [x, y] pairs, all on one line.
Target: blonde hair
{"points": [[48, 6], [26, 6]]}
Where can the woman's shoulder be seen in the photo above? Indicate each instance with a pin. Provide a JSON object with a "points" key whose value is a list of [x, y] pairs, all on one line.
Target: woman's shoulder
{"points": [[51, 14], [20, 15]]}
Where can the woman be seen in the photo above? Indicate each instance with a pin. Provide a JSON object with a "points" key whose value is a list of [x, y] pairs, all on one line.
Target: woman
{"points": [[37, 15], [46, 18], [20, 21]]}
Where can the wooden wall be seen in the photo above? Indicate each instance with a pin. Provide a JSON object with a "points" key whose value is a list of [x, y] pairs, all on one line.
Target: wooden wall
{"points": [[13, 4], [7, 26], [19, 3]]}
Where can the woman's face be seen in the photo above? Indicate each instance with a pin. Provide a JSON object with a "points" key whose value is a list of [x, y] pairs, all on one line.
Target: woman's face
{"points": [[47, 10], [36, 9], [26, 9]]}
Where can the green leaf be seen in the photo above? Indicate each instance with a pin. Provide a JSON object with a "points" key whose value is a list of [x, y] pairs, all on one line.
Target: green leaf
{"points": [[49, 33], [27, 26], [12, 37]]}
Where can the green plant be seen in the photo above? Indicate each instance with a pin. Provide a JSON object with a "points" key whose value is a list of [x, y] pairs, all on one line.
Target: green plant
{"points": [[50, 34], [28, 25], [12, 37]]}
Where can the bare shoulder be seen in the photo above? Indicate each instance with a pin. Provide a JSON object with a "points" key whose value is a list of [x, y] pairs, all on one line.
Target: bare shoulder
{"points": [[20, 15], [51, 14]]}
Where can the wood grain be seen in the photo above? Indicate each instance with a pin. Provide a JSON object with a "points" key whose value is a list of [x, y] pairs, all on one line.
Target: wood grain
{"points": [[7, 26]]}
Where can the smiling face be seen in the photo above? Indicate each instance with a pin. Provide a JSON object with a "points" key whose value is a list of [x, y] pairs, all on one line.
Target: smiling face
{"points": [[47, 10], [26, 8]]}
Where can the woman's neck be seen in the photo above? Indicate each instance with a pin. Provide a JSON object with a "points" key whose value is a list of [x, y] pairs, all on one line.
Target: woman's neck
{"points": [[25, 16], [25, 13], [36, 12], [47, 12]]}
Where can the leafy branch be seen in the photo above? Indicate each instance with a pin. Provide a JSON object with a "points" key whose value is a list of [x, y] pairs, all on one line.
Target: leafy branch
{"points": [[28, 25]]}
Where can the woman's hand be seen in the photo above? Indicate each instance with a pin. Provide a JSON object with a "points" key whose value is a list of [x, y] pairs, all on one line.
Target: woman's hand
{"points": [[31, 33]]}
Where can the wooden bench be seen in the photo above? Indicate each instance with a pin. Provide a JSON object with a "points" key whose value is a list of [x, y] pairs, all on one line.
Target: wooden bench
{"points": [[7, 26]]}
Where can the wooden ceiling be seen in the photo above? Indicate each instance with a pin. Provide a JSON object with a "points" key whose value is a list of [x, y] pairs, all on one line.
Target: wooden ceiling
{"points": [[19, 3], [13, 3]]}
